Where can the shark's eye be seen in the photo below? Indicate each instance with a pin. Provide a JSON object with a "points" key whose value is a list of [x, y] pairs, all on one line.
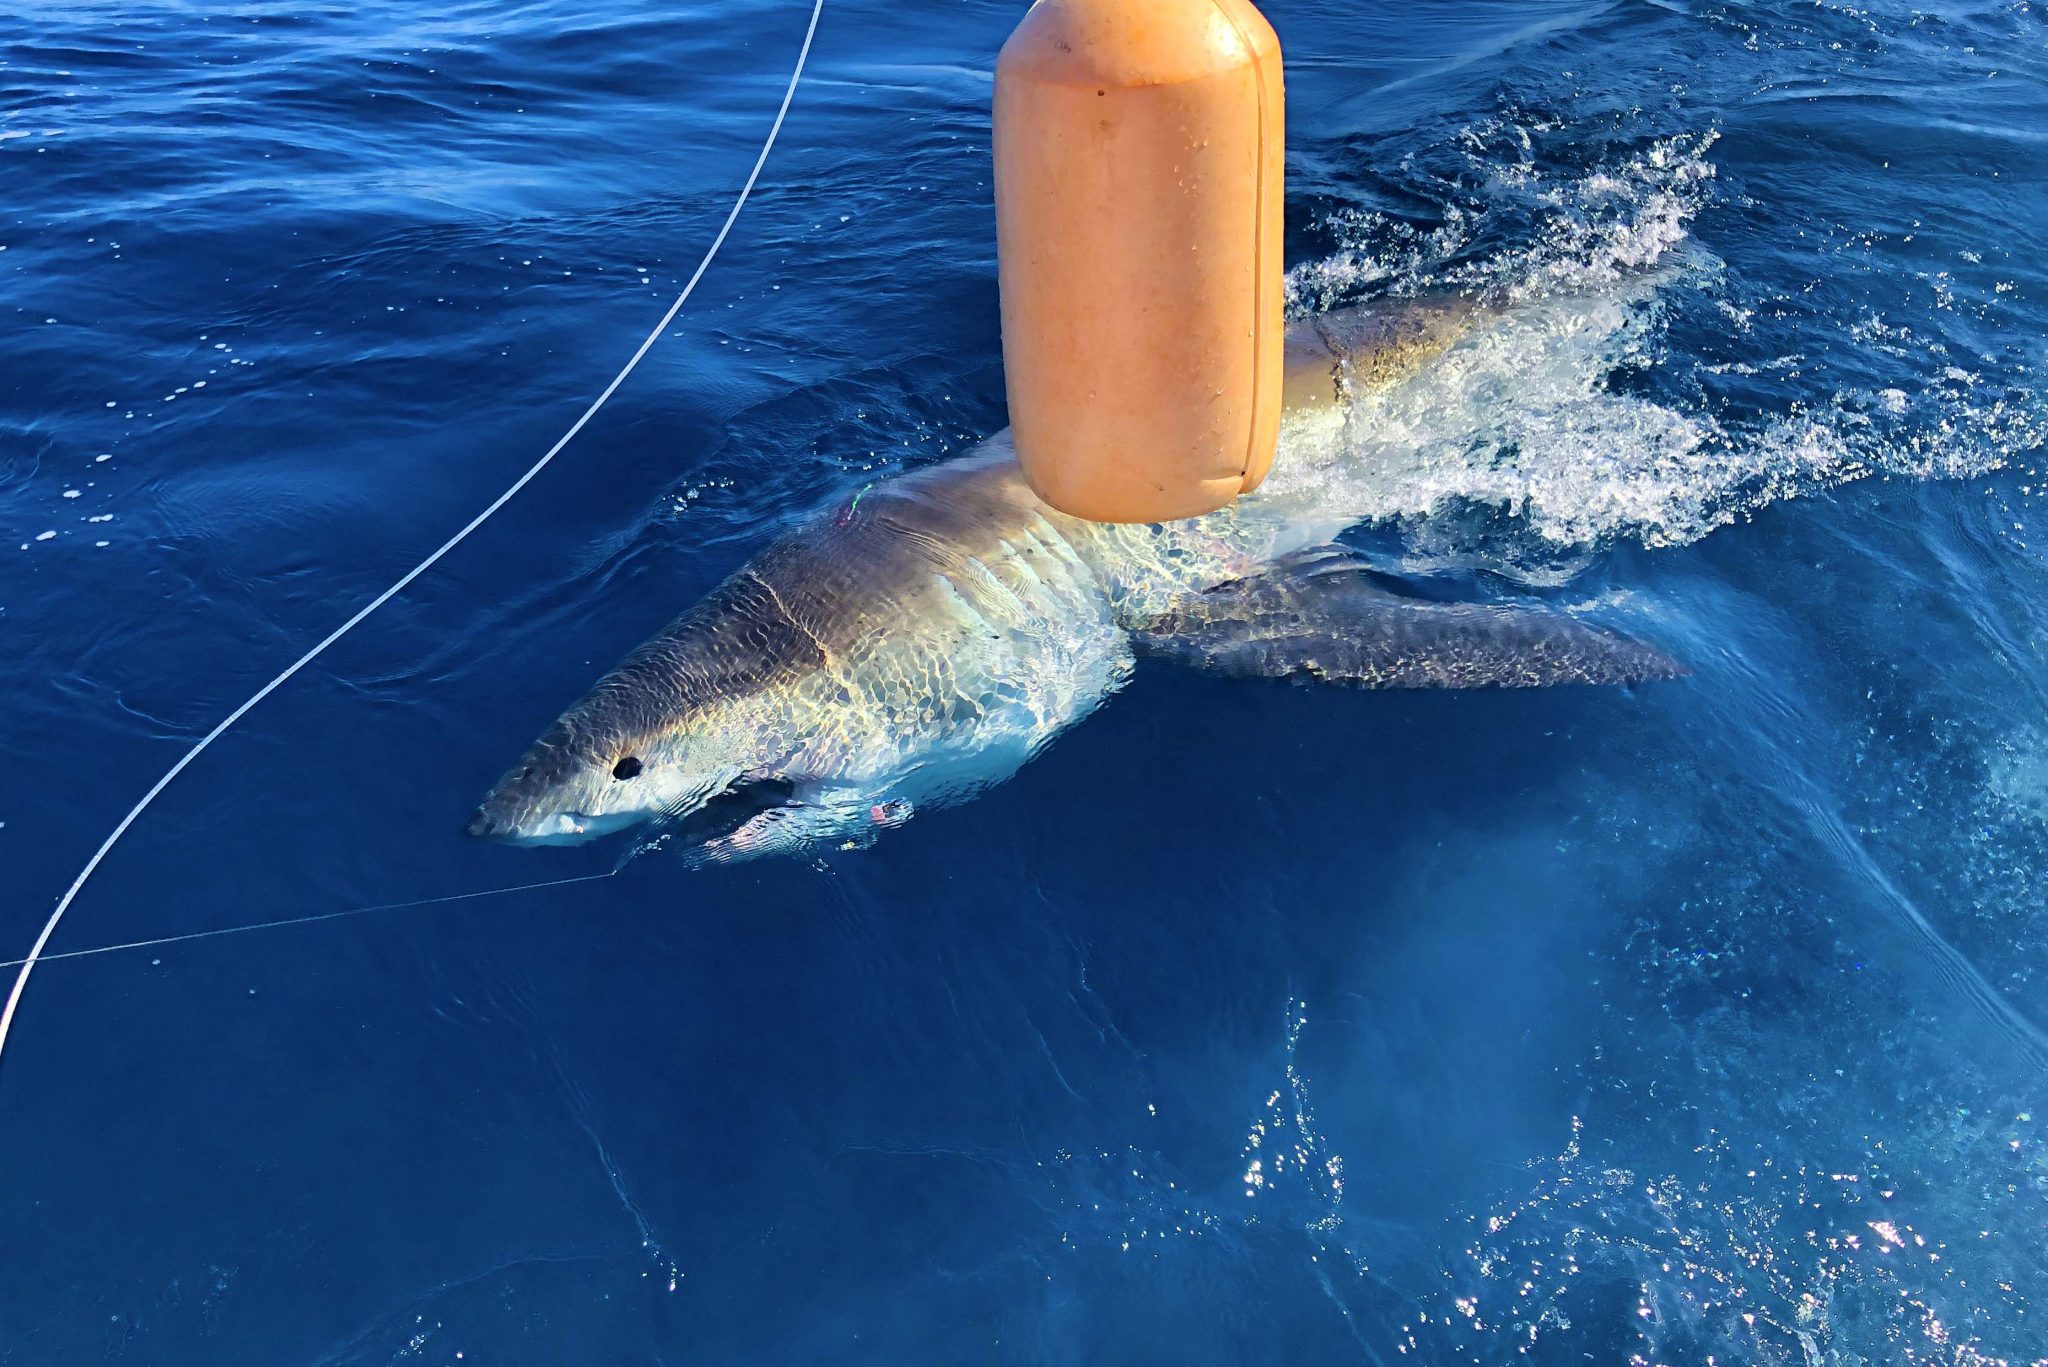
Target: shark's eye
{"points": [[629, 767]]}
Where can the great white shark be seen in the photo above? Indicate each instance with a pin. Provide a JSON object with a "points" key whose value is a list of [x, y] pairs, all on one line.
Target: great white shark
{"points": [[923, 639]]}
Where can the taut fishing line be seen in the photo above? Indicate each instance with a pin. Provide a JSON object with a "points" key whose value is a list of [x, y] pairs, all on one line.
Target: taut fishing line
{"points": [[36, 955], [312, 917]]}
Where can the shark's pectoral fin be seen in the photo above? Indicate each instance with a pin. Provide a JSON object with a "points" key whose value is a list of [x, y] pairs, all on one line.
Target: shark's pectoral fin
{"points": [[818, 817], [1319, 615]]}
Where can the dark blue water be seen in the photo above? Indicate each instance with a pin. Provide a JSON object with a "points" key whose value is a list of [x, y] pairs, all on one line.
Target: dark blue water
{"points": [[1702, 1023]]}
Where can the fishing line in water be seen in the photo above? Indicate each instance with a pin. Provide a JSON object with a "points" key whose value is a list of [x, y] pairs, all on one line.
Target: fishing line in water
{"points": [[35, 954], [309, 919]]}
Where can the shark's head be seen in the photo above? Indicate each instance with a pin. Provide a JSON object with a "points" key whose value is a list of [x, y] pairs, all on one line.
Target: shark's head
{"points": [[573, 785], [626, 754], [700, 722]]}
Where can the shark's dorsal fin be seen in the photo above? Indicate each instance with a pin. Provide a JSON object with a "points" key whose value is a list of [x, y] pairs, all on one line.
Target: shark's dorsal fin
{"points": [[1319, 614], [1366, 347]]}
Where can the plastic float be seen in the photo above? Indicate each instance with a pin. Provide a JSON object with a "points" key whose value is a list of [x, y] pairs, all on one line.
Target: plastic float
{"points": [[1138, 182]]}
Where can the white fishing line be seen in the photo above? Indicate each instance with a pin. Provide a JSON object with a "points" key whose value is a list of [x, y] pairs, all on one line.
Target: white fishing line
{"points": [[309, 919], [35, 953]]}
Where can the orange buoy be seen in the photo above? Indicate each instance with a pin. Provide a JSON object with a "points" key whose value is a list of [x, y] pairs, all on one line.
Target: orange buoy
{"points": [[1138, 175]]}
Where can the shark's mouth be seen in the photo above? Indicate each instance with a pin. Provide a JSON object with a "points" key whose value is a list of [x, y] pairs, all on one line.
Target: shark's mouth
{"points": [[573, 828], [705, 822]]}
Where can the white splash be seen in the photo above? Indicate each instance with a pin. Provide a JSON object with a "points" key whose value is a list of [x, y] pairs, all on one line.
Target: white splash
{"points": [[1524, 419]]}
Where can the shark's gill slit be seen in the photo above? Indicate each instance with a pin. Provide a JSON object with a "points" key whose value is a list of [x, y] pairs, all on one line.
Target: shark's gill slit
{"points": [[35, 954]]}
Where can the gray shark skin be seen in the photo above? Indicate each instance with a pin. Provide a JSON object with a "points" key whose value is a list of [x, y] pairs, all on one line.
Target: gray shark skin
{"points": [[924, 639]]}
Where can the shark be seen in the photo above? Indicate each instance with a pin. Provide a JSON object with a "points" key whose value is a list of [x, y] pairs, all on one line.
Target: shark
{"points": [[921, 640]]}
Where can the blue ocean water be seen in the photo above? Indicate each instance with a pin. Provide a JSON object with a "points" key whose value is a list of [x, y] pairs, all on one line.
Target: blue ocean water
{"points": [[1702, 1023]]}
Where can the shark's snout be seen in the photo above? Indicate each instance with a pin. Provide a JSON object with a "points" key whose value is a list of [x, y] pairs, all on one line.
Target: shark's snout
{"points": [[497, 818], [516, 824], [543, 800], [484, 826]]}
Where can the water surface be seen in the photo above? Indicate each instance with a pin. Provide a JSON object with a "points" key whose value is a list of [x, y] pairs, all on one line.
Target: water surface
{"points": [[1249, 1024]]}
